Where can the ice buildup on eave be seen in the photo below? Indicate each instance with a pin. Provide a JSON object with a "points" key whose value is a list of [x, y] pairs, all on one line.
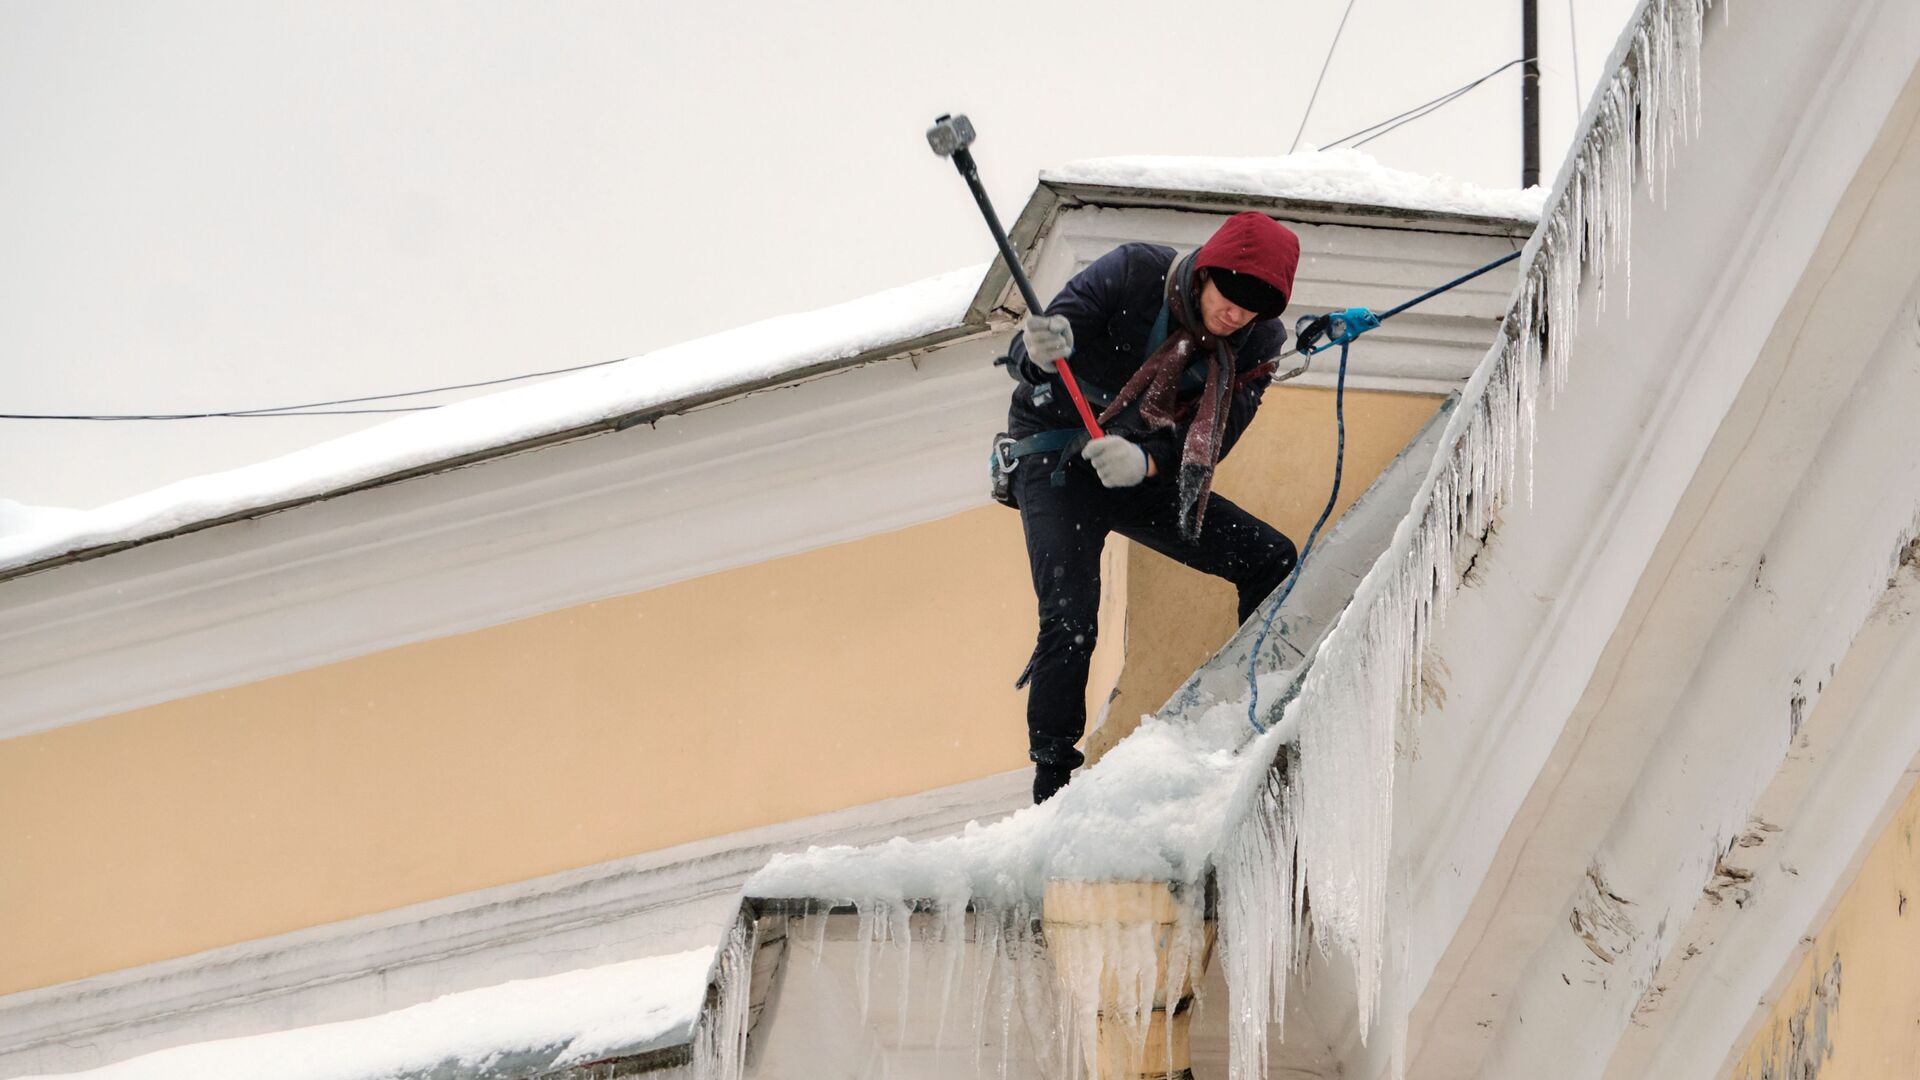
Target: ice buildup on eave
{"points": [[1316, 791]]}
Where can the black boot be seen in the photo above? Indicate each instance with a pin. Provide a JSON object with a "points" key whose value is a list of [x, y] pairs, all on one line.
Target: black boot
{"points": [[1048, 779]]}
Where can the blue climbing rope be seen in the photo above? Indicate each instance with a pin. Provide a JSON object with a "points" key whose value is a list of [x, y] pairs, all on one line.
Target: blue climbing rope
{"points": [[1293, 575], [1337, 328]]}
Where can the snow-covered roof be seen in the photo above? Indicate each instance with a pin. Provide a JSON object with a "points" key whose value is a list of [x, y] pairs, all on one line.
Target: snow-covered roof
{"points": [[698, 371], [689, 372], [515, 1029], [1343, 176]]}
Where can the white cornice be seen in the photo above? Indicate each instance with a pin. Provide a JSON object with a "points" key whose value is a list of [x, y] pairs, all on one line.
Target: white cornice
{"points": [[1755, 477]]}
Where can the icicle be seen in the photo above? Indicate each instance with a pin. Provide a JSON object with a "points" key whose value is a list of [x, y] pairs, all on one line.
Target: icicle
{"points": [[1259, 926], [868, 929], [900, 933], [986, 949], [816, 922], [720, 1037], [952, 936]]}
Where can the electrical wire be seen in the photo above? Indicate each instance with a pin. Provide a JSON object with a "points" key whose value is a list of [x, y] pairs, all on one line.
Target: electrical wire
{"points": [[211, 415], [1420, 110], [1324, 65], [1441, 100], [312, 408]]}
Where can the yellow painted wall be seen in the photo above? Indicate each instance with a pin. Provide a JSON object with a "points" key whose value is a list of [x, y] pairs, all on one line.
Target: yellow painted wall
{"points": [[798, 686], [1280, 471], [1851, 1011], [794, 687]]}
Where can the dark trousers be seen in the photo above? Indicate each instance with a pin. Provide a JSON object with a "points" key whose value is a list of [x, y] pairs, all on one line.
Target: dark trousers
{"points": [[1066, 527]]}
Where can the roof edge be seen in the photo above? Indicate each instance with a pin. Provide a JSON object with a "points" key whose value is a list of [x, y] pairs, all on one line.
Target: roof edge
{"points": [[1316, 211], [966, 329]]}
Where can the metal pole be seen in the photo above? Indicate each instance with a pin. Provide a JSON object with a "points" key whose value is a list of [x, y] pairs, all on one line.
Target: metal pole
{"points": [[950, 136], [1530, 93]]}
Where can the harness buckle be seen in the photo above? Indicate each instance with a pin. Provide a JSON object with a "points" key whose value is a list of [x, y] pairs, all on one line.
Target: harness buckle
{"points": [[1003, 453]]}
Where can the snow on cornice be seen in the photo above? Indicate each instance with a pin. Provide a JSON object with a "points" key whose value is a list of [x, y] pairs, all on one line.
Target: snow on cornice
{"points": [[740, 358], [1343, 176], [514, 1029]]}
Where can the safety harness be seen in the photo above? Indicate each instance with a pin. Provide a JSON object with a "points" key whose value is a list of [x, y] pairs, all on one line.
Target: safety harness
{"points": [[1007, 450]]}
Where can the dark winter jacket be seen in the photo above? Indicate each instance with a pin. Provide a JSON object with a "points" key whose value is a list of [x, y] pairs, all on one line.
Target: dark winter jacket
{"points": [[1112, 305]]}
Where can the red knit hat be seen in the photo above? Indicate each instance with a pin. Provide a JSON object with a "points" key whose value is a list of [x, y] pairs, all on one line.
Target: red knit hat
{"points": [[1257, 246]]}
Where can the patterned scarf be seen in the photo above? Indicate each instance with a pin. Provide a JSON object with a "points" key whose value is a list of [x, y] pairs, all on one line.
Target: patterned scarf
{"points": [[1156, 387]]}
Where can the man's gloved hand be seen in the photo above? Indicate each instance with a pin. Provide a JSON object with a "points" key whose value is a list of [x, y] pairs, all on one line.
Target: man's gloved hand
{"points": [[1048, 337], [1120, 463]]}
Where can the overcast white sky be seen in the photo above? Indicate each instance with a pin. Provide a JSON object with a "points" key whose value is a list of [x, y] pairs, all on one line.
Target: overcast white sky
{"points": [[216, 205]]}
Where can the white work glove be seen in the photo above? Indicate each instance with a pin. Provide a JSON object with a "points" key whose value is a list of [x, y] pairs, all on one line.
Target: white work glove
{"points": [[1048, 337], [1120, 463]]}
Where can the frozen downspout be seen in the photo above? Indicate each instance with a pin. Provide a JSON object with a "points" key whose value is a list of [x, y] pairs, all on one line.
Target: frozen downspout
{"points": [[1127, 955]]}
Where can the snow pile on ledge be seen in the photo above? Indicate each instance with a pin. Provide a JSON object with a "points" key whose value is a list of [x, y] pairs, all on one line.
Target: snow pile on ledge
{"points": [[516, 1028], [733, 358], [1155, 808], [1333, 176]]}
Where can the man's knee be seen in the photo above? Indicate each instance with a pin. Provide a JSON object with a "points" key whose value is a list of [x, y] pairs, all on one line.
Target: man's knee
{"points": [[1276, 561], [1282, 559]]}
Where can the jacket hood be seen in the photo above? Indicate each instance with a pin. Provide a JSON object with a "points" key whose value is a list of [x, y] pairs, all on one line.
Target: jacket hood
{"points": [[1255, 244]]}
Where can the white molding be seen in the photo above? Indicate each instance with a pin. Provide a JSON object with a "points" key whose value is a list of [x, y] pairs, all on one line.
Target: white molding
{"points": [[1845, 779], [1581, 766]]}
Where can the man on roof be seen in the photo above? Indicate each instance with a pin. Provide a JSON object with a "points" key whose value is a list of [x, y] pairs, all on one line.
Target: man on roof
{"points": [[1175, 354]]}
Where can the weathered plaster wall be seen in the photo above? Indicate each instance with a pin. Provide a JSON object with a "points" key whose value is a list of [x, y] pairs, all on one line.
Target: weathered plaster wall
{"points": [[1851, 1009]]}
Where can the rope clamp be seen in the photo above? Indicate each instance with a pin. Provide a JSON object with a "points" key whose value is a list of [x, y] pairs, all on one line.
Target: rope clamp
{"points": [[1344, 326], [1316, 333]]}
